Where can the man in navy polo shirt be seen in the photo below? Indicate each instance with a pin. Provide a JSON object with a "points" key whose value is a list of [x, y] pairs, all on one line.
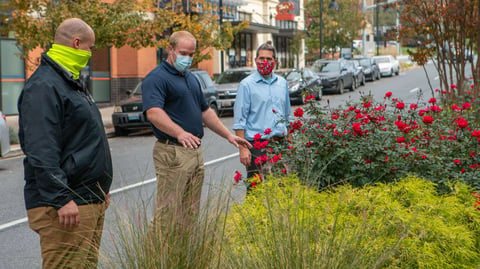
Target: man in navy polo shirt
{"points": [[173, 102]]}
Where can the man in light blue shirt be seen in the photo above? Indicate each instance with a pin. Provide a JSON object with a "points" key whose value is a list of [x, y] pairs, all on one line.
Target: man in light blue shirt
{"points": [[262, 107]]}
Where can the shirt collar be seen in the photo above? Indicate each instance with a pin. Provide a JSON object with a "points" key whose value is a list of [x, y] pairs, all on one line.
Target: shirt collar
{"points": [[170, 69], [257, 77]]}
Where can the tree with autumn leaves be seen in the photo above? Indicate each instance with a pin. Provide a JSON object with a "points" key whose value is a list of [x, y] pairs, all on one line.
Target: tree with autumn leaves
{"points": [[449, 30], [340, 26], [118, 23]]}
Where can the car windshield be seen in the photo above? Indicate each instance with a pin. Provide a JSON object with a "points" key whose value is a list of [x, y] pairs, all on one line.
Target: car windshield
{"points": [[293, 76], [382, 60], [326, 67], [364, 62], [138, 90], [232, 76]]}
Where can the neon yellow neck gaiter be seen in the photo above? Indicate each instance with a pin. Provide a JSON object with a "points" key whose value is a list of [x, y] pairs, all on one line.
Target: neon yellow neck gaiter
{"points": [[69, 58]]}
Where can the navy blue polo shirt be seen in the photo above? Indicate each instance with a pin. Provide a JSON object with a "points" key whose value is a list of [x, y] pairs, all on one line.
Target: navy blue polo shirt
{"points": [[180, 96]]}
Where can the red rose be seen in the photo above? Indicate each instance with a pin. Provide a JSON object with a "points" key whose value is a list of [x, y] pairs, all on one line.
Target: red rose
{"points": [[388, 94], [462, 123], [400, 105], [400, 139], [267, 131], [257, 137], [237, 177], [427, 119], [298, 112]]}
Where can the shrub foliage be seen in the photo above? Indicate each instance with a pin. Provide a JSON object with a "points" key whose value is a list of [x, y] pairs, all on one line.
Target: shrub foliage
{"points": [[284, 224]]}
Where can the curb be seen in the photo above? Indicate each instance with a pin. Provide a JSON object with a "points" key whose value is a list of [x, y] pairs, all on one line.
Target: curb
{"points": [[16, 151]]}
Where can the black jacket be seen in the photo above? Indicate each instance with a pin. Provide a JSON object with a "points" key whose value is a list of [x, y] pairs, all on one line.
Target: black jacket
{"points": [[62, 135]]}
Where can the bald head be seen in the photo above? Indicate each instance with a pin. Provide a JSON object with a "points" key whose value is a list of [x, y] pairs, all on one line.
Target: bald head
{"points": [[73, 30], [176, 37]]}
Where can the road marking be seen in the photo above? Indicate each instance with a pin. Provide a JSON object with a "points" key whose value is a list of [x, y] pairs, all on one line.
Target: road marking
{"points": [[122, 189], [414, 90]]}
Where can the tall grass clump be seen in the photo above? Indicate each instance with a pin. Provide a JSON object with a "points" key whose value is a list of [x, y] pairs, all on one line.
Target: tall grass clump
{"points": [[139, 242], [284, 224]]}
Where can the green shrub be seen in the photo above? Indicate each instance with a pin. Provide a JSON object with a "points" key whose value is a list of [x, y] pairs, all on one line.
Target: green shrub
{"points": [[13, 136], [283, 224]]}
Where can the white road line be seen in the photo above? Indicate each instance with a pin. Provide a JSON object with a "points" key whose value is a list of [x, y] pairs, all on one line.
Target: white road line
{"points": [[414, 90], [122, 189]]}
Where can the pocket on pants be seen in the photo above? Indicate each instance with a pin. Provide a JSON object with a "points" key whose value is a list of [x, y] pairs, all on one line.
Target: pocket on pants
{"points": [[41, 217]]}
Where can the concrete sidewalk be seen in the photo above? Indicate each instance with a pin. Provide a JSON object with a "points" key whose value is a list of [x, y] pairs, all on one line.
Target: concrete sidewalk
{"points": [[12, 122]]}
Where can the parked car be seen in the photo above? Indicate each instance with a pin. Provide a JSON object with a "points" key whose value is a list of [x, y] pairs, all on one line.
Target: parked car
{"points": [[303, 80], [128, 115], [369, 67], [4, 135], [387, 64], [334, 74], [227, 85], [358, 76]]}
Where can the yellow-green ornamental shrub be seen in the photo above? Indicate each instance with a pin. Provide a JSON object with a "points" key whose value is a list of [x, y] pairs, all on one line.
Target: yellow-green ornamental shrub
{"points": [[284, 224]]}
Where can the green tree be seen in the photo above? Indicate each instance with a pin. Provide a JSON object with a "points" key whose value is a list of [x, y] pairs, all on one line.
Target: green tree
{"points": [[340, 26], [449, 30], [116, 24]]}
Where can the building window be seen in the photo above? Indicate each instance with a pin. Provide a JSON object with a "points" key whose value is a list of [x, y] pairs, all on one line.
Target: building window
{"points": [[241, 53]]}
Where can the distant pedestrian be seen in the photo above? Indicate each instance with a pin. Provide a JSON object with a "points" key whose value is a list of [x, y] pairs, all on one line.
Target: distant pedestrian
{"points": [[68, 167], [173, 102], [262, 107]]}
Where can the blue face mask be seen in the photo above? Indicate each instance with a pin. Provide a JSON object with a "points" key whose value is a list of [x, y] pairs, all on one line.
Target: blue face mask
{"points": [[183, 63]]}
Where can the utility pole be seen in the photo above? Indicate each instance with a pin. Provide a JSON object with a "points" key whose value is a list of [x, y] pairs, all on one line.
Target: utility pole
{"points": [[220, 12], [321, 27]]}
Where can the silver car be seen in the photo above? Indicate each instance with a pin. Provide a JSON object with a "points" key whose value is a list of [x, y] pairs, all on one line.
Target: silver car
{"points": [[227, 84], [387, 64], [4, 135]]}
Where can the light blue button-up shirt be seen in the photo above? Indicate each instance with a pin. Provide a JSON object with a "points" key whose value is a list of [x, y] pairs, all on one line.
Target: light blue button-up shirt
{"points": [[262, 104]]}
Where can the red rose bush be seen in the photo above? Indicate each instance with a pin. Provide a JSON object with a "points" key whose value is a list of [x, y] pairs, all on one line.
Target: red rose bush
{"points": [[371, 141]]}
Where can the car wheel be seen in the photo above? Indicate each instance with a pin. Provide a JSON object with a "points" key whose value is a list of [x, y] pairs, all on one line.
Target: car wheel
{"points": [[363, 81], [397, 72], [120, 131], [319, 94], [340, 87], [354, 84], [214, 107]]}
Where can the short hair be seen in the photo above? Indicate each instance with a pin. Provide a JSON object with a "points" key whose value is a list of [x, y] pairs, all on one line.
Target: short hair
{"points": [[177, 36], [267, 46], [71, 28]]}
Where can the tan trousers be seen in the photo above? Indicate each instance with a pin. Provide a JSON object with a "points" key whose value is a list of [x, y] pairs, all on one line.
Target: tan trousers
{"points": [[180, 173], [74, 248]]}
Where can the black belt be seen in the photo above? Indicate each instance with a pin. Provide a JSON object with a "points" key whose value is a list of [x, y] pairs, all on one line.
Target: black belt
{"points": [[274, 138], [169, 142]]}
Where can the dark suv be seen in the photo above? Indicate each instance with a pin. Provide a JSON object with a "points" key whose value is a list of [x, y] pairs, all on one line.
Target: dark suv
{"points": [[128, 115], [335, 75]]}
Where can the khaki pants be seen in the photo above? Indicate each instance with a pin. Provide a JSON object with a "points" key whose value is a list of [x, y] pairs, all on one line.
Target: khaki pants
{"points": [[76, 247], [180, 173]]}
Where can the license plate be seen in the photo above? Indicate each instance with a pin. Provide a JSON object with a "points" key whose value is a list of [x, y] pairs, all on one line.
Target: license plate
{"points": [[227, 103], [133, 117]]}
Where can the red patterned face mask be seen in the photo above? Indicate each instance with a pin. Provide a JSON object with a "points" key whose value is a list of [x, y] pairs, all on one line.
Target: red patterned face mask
{"points": [[265, 67]]}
